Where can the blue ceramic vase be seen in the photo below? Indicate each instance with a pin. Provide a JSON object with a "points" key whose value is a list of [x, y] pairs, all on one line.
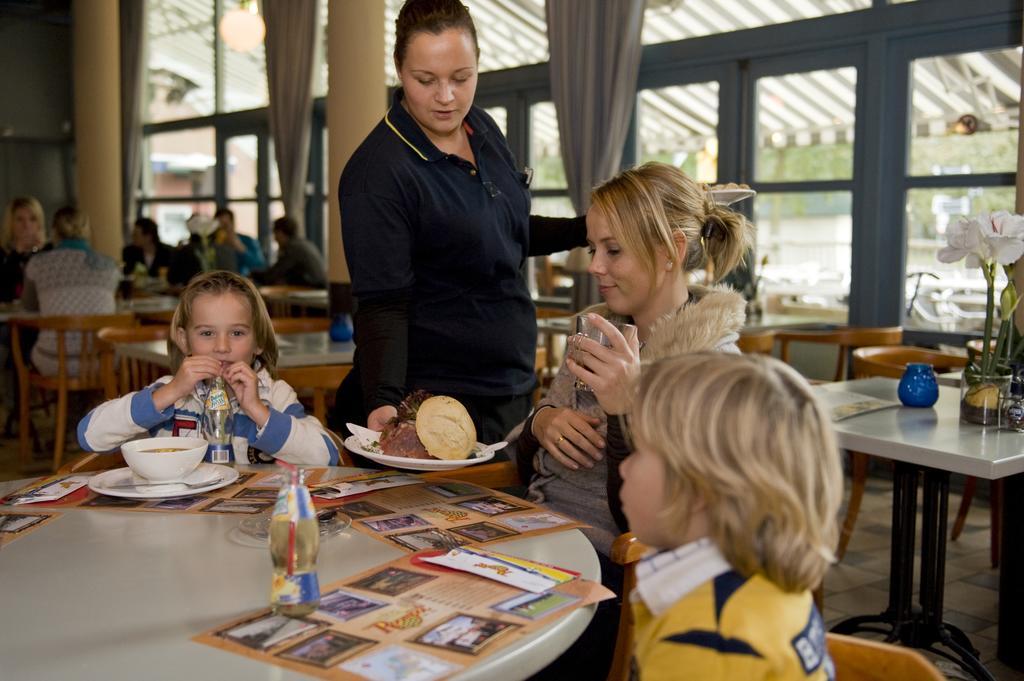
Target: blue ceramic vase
{"points": [[918, 387], [341, 328]]}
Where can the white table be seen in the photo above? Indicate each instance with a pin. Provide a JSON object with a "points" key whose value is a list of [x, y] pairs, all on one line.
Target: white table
{"points": [[934, 442], [100, 594], [294, 350]]}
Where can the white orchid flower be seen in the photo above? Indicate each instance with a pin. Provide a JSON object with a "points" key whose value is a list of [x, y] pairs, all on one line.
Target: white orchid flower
{"points": [[202, 225], [988, 237]]}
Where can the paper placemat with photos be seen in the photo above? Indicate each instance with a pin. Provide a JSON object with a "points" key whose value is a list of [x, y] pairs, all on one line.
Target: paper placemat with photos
{"points": [[253, 493], [17, 524], [441, 514], [403, 620]]}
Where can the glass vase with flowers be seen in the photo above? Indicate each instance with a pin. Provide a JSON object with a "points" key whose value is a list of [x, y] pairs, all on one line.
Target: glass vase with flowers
{"points": [[992, 242]]}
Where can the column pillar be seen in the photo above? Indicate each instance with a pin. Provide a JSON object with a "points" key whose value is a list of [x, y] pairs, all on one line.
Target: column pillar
{"points": [[356, 102], [97, 103]]}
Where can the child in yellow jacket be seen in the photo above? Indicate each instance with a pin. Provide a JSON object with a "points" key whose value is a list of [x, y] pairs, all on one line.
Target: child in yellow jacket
{"points": [[735, 480]]}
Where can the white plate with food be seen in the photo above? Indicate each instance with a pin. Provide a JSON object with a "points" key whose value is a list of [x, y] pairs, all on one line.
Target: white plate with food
{"points": [[121, 482], [366, 442], [726, 196]]}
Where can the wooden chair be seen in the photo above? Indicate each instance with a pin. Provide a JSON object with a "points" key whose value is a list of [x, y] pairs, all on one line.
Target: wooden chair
{"points": [[858, 659], [757, 342], [89, 376], [124, 374], [547, 341], [491, 475], [317, 380], [890, 362], [626, 551], [300, 324], [846, 338]]}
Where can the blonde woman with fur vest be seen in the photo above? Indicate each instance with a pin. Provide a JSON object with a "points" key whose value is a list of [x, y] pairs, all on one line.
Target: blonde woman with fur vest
{"points": [[647, 228]]}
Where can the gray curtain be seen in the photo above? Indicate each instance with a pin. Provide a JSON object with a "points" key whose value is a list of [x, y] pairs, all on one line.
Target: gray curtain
{"points": [[291, 49], [133, 35], [595, 52]]}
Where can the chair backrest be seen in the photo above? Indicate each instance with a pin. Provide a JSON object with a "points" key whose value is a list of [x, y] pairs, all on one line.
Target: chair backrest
{"points": [[891, 360], [757, 342], [70, 330], [127, 374], [344, 458], [318, 380], [858, 659], [300, 324], [846, 338], [626, 551]]}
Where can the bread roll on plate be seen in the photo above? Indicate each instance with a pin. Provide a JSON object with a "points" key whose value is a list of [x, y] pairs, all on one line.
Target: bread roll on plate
{"points": [[445, 429]]}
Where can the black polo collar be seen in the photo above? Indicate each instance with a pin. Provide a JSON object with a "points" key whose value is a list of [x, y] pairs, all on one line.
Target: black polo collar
{"points": [[409, 131]]}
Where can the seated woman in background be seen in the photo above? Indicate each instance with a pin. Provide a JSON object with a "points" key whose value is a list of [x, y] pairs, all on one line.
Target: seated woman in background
{"points": [[647, 228], [21, 239], [72, 279], [146, 250]]}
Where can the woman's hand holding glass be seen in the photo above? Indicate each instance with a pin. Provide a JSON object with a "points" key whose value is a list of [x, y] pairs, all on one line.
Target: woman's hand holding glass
{"points": [[569, 436], [609, 371]]}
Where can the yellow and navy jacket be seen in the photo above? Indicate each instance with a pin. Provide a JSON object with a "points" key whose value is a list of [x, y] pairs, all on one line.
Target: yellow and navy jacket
{"points": [[725, 627]]}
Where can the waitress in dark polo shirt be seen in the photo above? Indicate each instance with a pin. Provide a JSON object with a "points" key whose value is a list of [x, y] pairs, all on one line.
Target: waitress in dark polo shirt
{"points": [[436, 224]]}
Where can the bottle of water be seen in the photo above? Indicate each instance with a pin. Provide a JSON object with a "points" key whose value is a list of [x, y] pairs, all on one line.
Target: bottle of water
{"points": [[294, 542], [218, 423]]}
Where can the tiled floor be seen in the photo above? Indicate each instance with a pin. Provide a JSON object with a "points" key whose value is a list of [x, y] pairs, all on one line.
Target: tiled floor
{"points": [[859, 585]]}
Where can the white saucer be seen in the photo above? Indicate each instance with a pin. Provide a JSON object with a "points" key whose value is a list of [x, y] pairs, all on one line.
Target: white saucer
{"points": [[218, 475], [480, 454], [727, 197]]}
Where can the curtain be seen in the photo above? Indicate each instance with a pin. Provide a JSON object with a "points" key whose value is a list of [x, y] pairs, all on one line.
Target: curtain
{"points": [[595, 52], [291, 49], [132, 35]]}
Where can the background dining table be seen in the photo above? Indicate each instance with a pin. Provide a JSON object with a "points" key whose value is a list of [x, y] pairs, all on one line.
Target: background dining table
{"points": [[932, 443], [107, 594], [294, 350]]}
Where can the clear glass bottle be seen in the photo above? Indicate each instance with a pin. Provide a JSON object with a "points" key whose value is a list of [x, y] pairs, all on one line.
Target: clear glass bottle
{"points": [[1012, 413], [294, 543], [218, 423]]}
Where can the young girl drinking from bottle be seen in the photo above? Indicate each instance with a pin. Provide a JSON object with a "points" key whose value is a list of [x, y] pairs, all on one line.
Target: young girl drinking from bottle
{"points": [[220, 328], [734, 478]]}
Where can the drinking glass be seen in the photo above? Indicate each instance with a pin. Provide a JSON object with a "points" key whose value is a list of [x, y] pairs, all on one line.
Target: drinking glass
{"points": [[587, 329]]}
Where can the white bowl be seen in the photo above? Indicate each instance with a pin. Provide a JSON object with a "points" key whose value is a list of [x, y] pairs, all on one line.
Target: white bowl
{"points": [[157, 466]]}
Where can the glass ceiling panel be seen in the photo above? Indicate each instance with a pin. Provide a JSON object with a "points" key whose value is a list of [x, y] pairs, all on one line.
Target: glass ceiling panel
{"points": [[668, 20]]}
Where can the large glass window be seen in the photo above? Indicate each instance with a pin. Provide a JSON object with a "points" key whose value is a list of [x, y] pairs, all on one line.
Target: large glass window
{"points": [[805, 126], [180, 60], [965, 111], [545, 152], [181, 64], [180, 164], [963, 126], [245, 75], [804, 234], [666, 20], [678, 125], [946, 296]]}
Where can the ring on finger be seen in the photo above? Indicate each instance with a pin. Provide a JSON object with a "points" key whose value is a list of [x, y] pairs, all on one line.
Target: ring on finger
{"points": [[560, 439]]}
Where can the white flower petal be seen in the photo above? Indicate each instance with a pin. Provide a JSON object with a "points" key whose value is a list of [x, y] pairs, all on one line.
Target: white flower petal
{"points": [[949, 254]]}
